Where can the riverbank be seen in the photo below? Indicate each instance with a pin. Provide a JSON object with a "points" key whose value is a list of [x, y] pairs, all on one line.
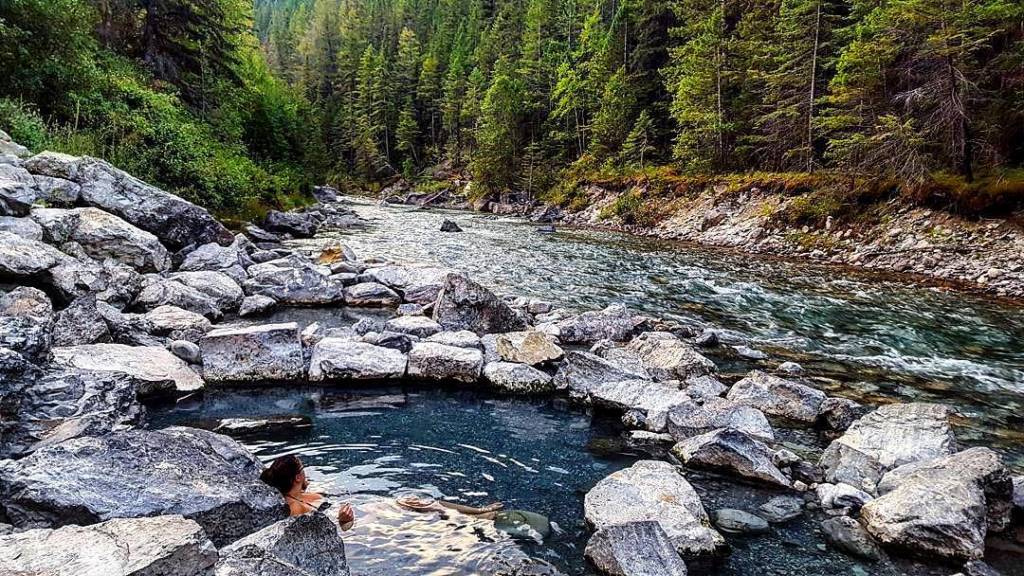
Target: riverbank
{"points": [[984, 255]]}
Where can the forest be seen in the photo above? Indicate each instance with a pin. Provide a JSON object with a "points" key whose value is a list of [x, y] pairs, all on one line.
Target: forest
{"points": [[233, 103]]}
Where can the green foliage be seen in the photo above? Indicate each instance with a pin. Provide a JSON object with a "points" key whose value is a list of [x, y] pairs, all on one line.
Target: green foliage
{"points": [[23, 124]]}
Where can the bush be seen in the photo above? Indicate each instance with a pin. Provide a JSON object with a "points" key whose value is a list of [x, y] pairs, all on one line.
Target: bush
{"points": [[23, 123]]}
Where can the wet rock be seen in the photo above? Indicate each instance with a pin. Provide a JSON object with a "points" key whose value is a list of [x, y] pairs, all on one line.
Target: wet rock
{"points": [[325, 194], [164, 292], [257, 306], [262, 425], [164, 545], [298, 224], [528, 347], [24, 227], [23, 259], [841, 496], [581, 372], [666, 357], [230, 260], [839, 413], [220, 288], [778, 397], [419, 326], [177, 323], [1018, 494], [450, 226], [791, 368], [294, 281], [732, 521], [62, 404], [634, 549], [80, 323], [203, 476], [517, 378], [253, 354], [731, 452], [707, 339], [703, 387], [157, 371], [465, 305], [654, 399], [781, 509], [655, 491], [847, 535], [371, 294], [691, 419], [305, 545], [460, 339], [439, 362], [187, 351], [891, 436], [613, 323], [341, 359], [750, 353]]}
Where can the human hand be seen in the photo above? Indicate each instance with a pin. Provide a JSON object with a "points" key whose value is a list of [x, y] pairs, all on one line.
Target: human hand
{"points": [[346, 514]]}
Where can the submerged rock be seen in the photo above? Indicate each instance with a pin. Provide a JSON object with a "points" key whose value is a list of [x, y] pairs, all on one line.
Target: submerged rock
{"points": [[439, 362], [634, 549], [613, 323], [731, 452], [162, 545], [778, 397], [343, 359], [689, 419], [465, 305], [529, 347], [200, 475], [269, 352], [517, 378], [781, 509], [652, 490], [261, 425], [891, 436], [304, 545], [732, 521], [157, 371]]}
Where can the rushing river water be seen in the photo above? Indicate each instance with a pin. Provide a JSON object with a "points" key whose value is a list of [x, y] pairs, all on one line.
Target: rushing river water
{"points": [[865, 337]]}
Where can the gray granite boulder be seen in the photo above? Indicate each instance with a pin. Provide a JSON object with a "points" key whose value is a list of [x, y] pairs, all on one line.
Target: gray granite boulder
{"points": [[778, 397], [731, 452], [24, 259], [634, 549], [218, 287], [666, 357], [157, 371], [57, 192], [24, 227], [465, 305], [527, 347], [613, 323], [257, 306], [161, 545], [81, 323], [298, 224], [703, 387], [840, 413], [177, 323], [103, 235], [459, 339], [419, 326], [345, 359], [371, 294], [16, 198], [581, 372], [295, 281], [432, 361], [26, 323], [849, 536], [416, 285], [305, 545], [653, 491], [264, 353], [733, 521], [698, 417], [655, 400], [157, 291], [517, 378], [197, 474], [231, 260]]}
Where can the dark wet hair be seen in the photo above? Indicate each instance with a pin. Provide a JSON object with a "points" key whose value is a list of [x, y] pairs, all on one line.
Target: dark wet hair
{"points": [[282, 472]]}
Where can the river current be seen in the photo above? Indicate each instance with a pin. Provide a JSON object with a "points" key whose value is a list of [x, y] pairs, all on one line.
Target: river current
{"points": [[871, 338]]}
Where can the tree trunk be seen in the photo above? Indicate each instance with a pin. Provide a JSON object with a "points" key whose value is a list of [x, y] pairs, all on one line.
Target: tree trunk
{"points": [[814, 82]]}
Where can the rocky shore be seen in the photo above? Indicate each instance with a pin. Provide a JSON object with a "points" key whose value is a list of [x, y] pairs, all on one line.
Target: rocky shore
{"points": [[978, 255], [116, 294]]}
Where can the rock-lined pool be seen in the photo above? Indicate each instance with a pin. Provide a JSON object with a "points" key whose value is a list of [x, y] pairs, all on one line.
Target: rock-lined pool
{"points": [[368, 446], [867, 337]]}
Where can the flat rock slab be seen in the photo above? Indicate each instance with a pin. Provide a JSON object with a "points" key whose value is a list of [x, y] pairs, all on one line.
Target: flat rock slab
{"points": [[305, 545], [634, 549], [432, 361], [269, 352], [731, 452], [656, 491], [371, 294], [197, 474], [419, 326], [778, 397], [345, 359], [162, 545], [582, 372], [158, 371], [655, 399], [517, 378]]}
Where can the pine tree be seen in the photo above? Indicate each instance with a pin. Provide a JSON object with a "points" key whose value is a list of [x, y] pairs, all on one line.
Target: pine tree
{"points": [[497, 157], [639, 145], [614, 117]]}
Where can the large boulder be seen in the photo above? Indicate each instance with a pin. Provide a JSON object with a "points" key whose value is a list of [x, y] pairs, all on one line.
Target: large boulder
{"points": [[613, 323], [417, 285], [344, 359], [103, 235], [528, 347], [304, 545], [81, 323], [162, 545], [849, 535], [517, 378], [891, 436], [581, 372], [666, 357], [232, 260], [62, 404], [432, 361], [24, 259], [200, 475], [57, 192], [265, 353], [731, 452], [654, 491], [218, 287], [157, 371], [24, 227], [295, 281], [942, 507], [689, 419], [176, 222], [26, 323], [654, 399], [298, 224], [16, 198], [157, 291], [634, 549], [465, 305], [371, 294], [778, 397], [177, 323], [9, 147]]}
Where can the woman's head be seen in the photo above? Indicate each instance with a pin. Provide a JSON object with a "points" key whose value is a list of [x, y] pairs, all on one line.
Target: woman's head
{"points": [[284, 473]]}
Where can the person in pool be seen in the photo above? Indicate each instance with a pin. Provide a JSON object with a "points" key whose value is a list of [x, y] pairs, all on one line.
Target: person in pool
{"points": [[288, 475]]}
